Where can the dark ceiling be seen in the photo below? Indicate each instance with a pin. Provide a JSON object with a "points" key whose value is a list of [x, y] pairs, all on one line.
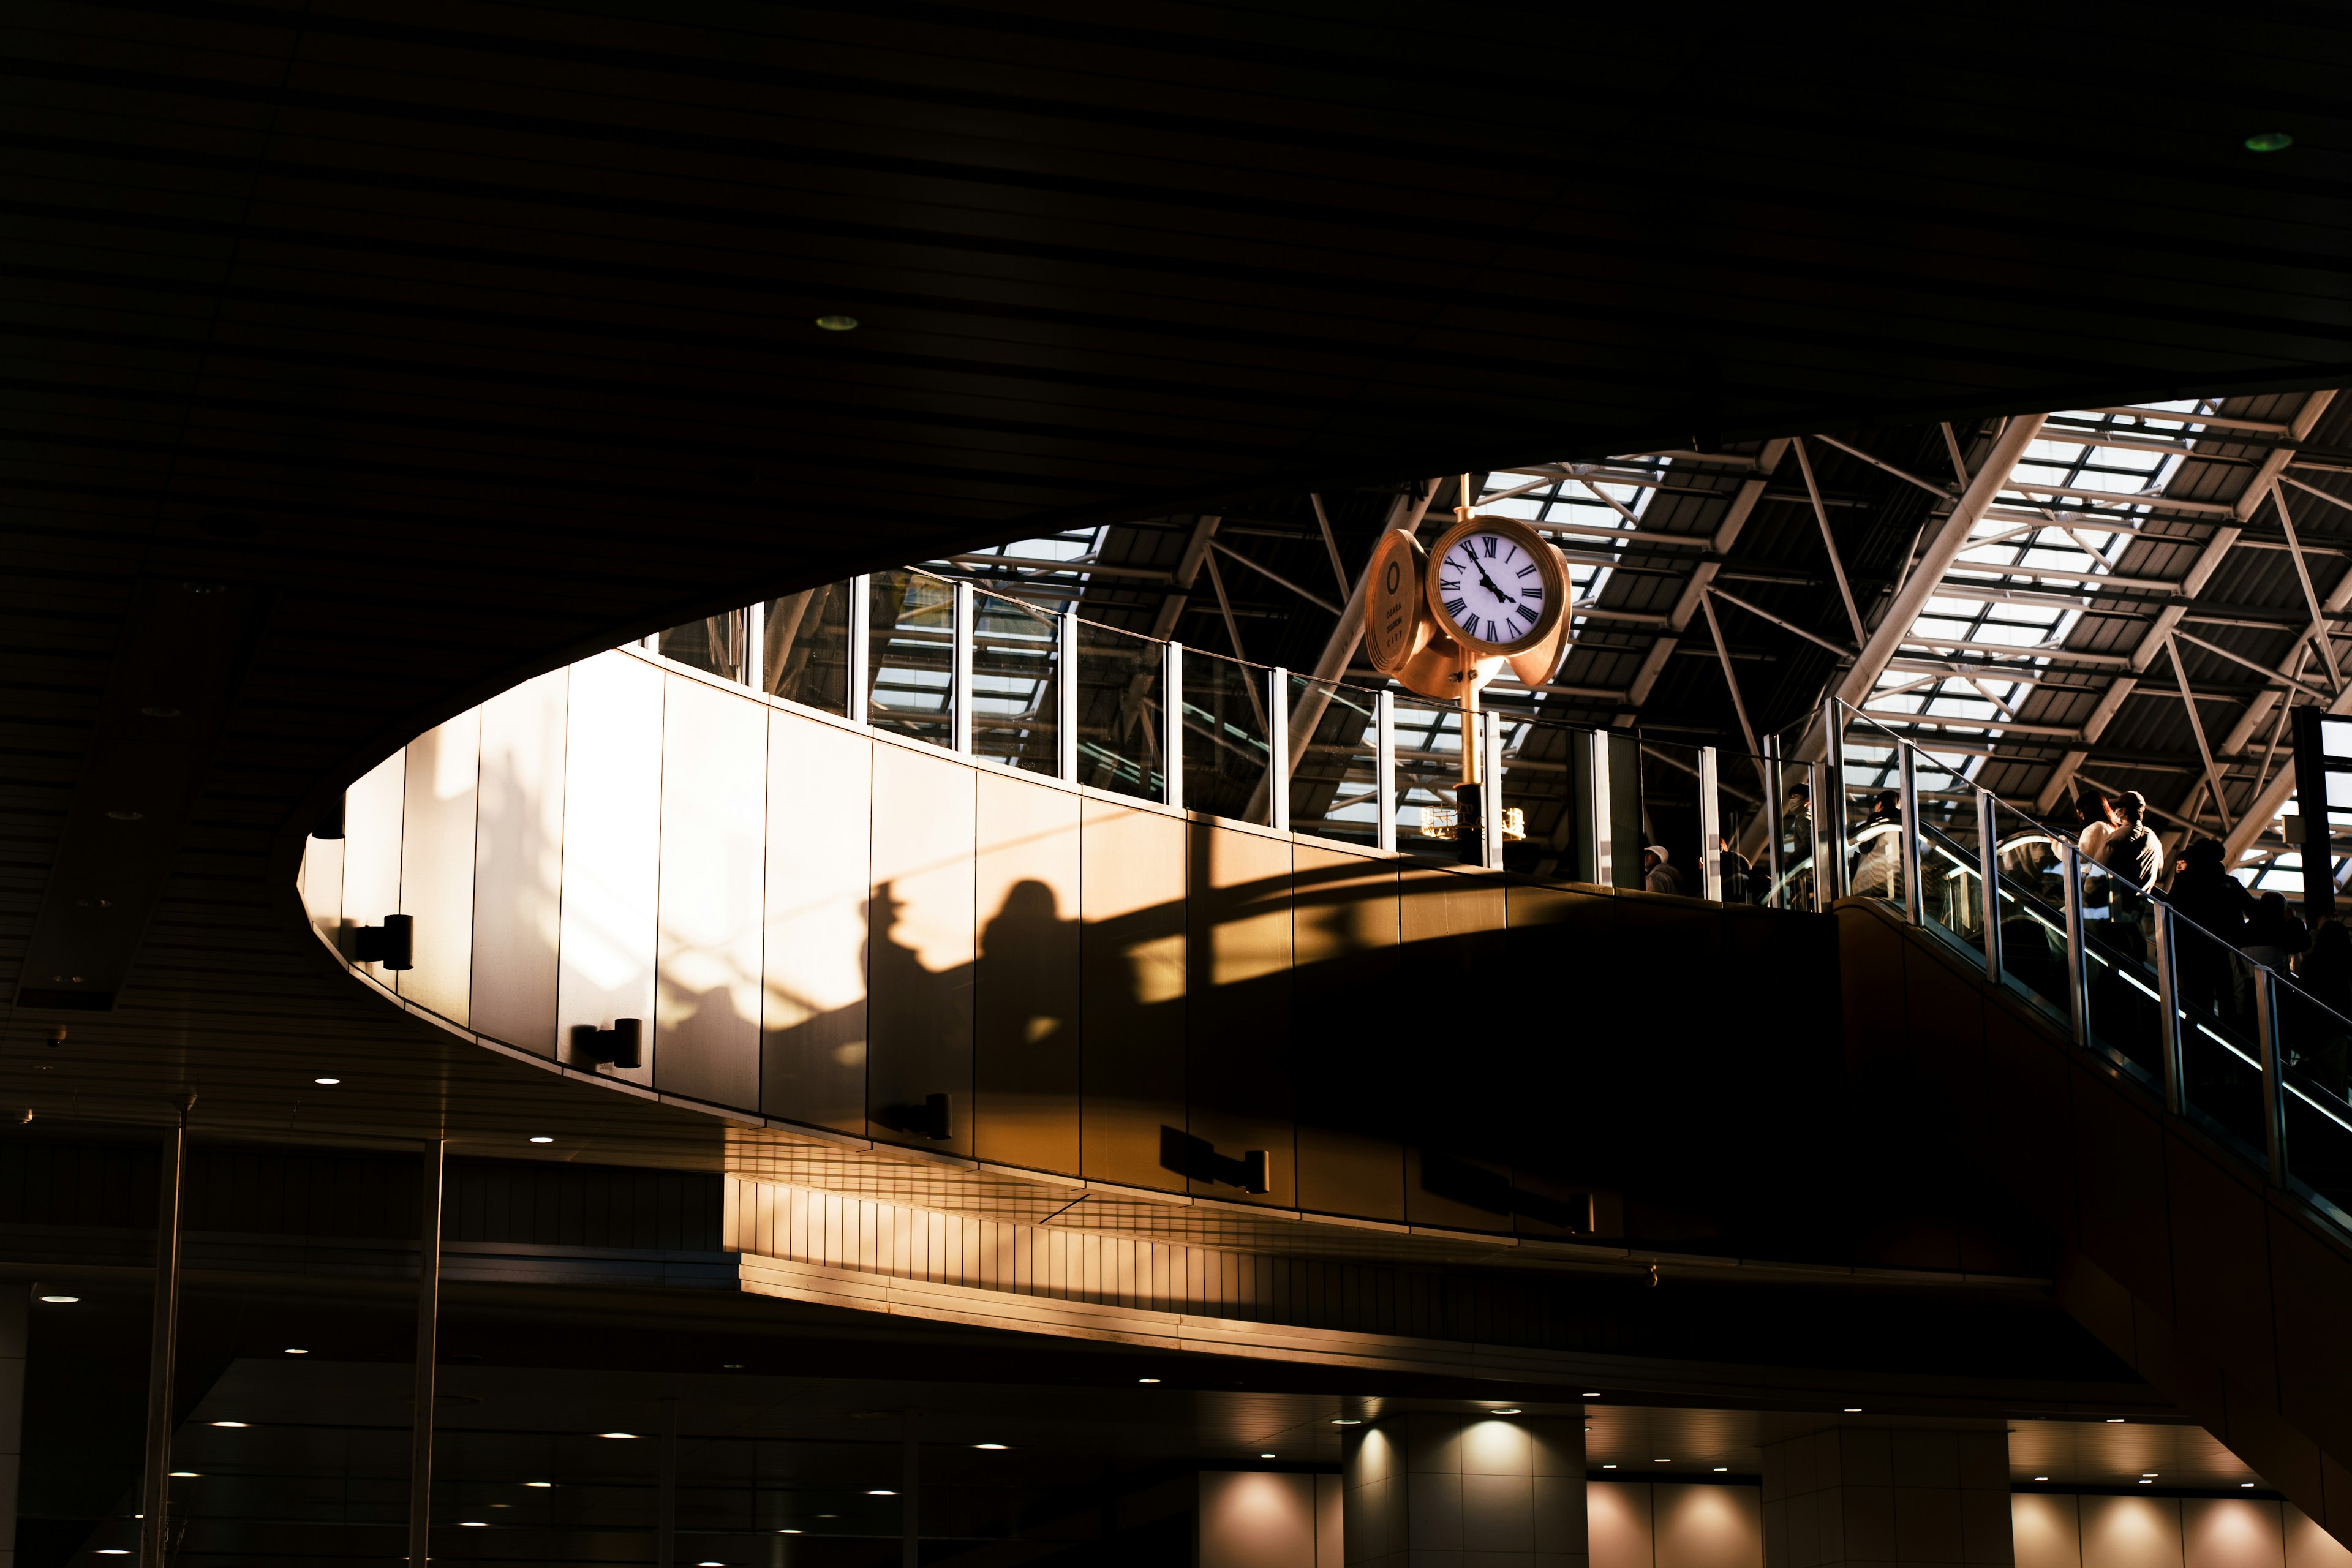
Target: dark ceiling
{"points": [[443, 343]]}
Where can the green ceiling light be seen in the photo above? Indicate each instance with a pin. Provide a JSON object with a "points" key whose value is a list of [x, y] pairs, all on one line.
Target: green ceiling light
{"points": [[2269, 142], [849, 323]]}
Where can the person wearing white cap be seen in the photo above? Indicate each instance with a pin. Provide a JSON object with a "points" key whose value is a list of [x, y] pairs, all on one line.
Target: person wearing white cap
{"points": [[1656, 875]]}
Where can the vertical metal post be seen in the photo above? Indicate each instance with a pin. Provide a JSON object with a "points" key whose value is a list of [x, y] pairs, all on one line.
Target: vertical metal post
{"points": [[2078, 973], [2167, 1001], [1490, 787], [1384, 767], [428, 1351], [959, 725], [2310, 725], [1989, 873], [1710, 828], [1817, 775], [1604, 871], [2273, 1097], [1774, 897], [1171, 722], [910, 1497], [861, 622], [1065, 697], [163, 1345], [1828, 806], [1277, 748], [665, 1500], [1914, 907], [755, 646]]}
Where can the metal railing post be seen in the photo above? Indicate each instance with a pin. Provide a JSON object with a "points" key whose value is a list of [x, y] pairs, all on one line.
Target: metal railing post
{"points": [[1604, 866], [1490, 789], [1914, 904], [428, 1343], [2274, 1100], [755, 646], [164, 1346], [1710, 828], [861, 622], [960, 721], [1065, 697], [1384, 768], [1171, 723], [1773, 827], [1277, 748], [1989, 873], [2168, 1002], [2078, 976], [1829, 807], [1824, 879]]}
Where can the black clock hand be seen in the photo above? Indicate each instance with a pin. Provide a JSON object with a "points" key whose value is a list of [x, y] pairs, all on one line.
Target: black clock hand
{"points": [[1491, 588]]}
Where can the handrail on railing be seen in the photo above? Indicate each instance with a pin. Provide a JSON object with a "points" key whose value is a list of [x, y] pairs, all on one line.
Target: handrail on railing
{"points": [[981, 693], [2196, 1021]]}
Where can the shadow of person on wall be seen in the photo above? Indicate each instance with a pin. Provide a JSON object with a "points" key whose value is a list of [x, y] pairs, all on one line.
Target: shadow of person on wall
{"points": [[1025, 1007], [924, 1013]]}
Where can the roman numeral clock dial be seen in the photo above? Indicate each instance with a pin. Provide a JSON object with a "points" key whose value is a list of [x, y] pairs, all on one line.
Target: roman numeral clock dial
{"points": [[1496, 585]]}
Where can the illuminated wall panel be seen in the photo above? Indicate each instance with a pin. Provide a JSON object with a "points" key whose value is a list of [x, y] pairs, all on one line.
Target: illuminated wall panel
{"points": [[919, 940], [372, 815], [519, 863], [713, 832], [1026, 1059], [612, 839], [436, 876], [813, 1027]]}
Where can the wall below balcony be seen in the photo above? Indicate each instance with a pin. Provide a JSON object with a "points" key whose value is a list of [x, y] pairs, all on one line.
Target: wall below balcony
{"points": [[823, 925]]}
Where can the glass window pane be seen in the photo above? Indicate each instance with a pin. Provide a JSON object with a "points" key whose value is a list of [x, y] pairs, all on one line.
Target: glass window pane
{"points": [[1225, 756], [715, 644], [1334, 786], [1016, 683], [806, 659], [910, 646], [1119, 711]]}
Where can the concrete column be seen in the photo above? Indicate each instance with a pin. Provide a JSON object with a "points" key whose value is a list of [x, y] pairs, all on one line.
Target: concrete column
{"points": [[1850, 1496], [1429, 1490], [14, 1303]]}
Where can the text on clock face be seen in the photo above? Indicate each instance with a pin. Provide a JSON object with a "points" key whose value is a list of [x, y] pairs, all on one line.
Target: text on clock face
{"points": [[1492, 590]]}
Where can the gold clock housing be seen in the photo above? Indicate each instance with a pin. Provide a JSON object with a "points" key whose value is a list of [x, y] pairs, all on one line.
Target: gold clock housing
{"points": [[1396, 617], [1531, 550]]}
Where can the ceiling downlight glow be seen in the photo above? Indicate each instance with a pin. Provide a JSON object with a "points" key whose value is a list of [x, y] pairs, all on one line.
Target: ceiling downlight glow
{"points": [[616, 1433], [837, 323], [2269, 142], [60, 1300]]}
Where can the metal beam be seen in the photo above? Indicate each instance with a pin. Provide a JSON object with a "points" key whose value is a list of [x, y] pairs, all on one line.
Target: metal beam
{"points": [[1829, 540], [2197, 728], [1727, 534]]}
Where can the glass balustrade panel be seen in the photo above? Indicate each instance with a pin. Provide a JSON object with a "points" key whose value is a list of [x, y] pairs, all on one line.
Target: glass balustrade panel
{"points": [[1793, 887], [1741, 783], [2031, 913], [1016, 676], [805, 653], [1120, 732], [2122, 998], [1226, 771], [1542, 827], [1671, 845], [2315, 1055], [1335, 781], [1429, 772], [2221, 1048], [910, 655], [1871, 802], [714, 644]]}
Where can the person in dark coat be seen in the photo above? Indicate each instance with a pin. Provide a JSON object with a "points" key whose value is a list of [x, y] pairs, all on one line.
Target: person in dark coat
{"points": [[2215, 903]]}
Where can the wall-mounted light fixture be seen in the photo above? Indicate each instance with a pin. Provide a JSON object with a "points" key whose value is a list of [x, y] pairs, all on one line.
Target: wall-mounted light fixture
{"points": [[622, 1045], [392, 944], [935, 1120]]}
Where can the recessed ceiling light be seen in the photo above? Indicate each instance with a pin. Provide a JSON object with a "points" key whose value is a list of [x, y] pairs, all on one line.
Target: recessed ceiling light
{"points": [[1592, 1393], [837, 323], [2042, 1478], [1853, 1410], [1662, 1461], [2269, 142], [1346, 1421], [881, 1492], [186, 1475], [473, 1524], [539, 1483], [296, 1349], [1146, 1379], [616, 1433], [2151, 1475], [330, 1082], [114, 1552], [61, 1300], [229, 1422], [1723, 1470], [1608, 1466], [788, 1533], [2114, 1420], [2245, 1483], [987, 1444], [711, 1564], [542, 1138], [2148, 1483], [1506, 1410], [1266, 1455]]}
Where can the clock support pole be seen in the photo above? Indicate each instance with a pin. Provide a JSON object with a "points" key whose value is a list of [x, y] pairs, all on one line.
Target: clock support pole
{"points": [[1470, 794]]}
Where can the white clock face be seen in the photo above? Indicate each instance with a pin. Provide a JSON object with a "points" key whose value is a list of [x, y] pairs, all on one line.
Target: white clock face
{"points": [[1491, 588]]}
